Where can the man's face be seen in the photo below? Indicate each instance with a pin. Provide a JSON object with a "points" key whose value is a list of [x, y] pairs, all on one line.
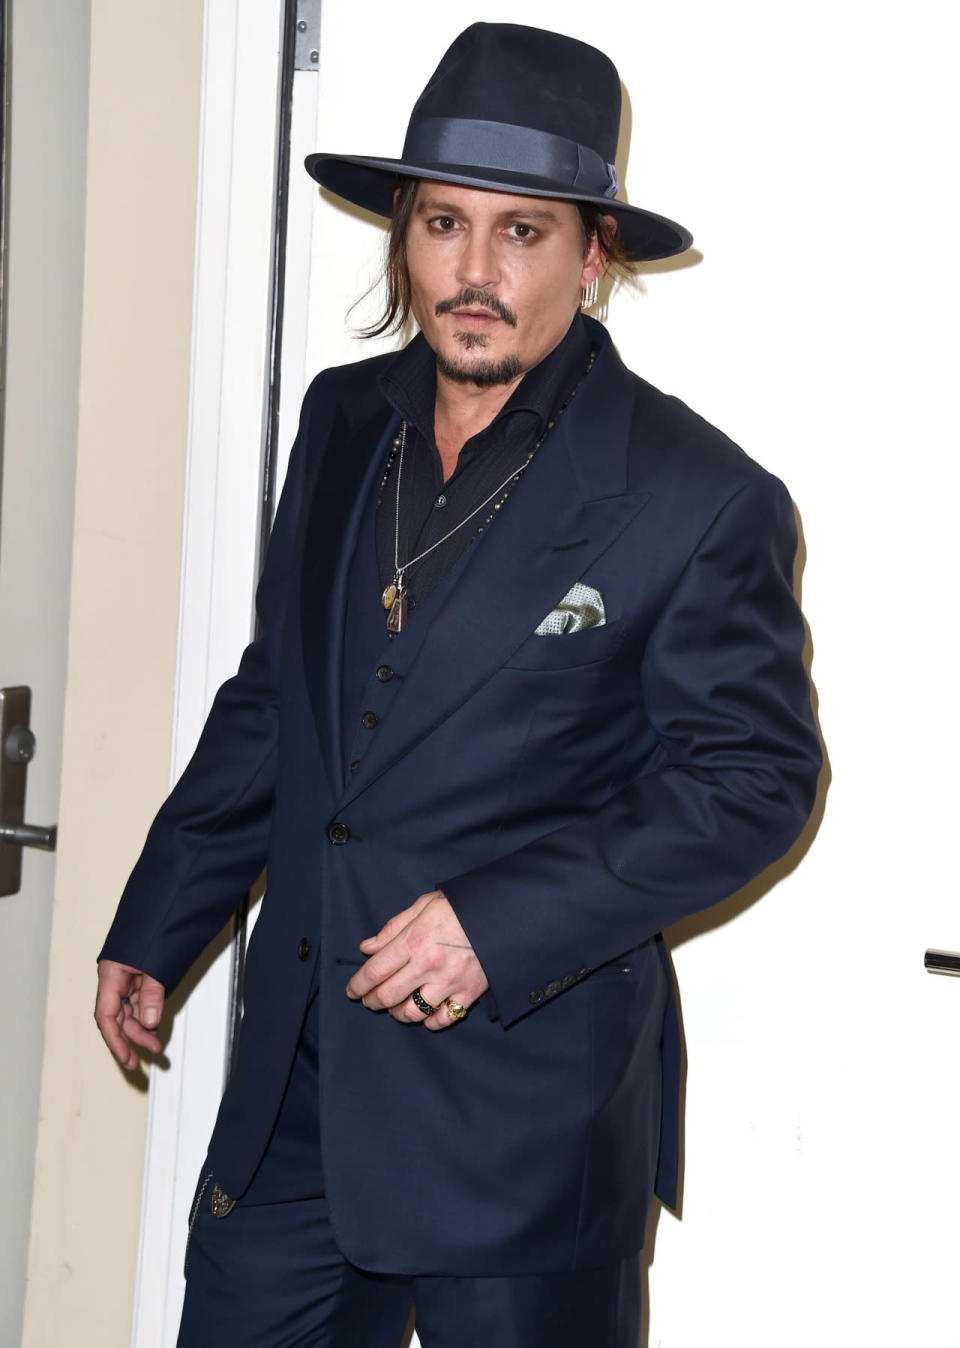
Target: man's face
{"points": [[495, 278]]}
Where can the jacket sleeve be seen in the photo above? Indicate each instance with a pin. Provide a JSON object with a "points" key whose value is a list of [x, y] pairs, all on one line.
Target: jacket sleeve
{"points": [[208, 842], [727, 793]]}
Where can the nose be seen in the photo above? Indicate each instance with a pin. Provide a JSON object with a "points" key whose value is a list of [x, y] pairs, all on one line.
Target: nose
{"points": [[477, 264]]}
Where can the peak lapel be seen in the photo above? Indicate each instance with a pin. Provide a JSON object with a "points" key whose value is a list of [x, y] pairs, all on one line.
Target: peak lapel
{"points": [[551, 529]]}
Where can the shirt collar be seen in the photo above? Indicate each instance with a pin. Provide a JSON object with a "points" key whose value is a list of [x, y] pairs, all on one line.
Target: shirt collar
{"points": [[410, 381]]}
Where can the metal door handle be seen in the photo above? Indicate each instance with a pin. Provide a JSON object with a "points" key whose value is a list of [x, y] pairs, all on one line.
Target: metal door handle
{"points": [[29, 835], [17, 747], [942, 962]]}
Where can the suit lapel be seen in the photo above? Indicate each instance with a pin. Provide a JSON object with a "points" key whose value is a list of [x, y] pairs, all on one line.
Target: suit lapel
{"points": [[568, 509], [345, 480]]}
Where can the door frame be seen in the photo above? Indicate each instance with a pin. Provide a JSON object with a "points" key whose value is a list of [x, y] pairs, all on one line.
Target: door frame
{"points": [[223, 498]]}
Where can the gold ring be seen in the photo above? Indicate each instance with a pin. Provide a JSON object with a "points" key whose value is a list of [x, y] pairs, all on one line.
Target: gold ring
{"points": [[454, 1010]]}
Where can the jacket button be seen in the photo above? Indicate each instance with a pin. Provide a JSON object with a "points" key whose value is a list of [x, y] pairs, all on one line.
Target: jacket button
{"points": [[536, 996], [384, 673], [303, 949], [552, 989], [369, 719], [338, 833], [584, 971], [568, 980]]}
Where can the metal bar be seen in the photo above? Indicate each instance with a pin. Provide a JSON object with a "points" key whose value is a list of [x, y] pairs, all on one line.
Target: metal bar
{"points": [[942, 962], [30, 835]]}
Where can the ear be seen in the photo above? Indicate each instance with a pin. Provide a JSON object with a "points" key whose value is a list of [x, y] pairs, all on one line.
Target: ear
{"points": [[595, 259]]}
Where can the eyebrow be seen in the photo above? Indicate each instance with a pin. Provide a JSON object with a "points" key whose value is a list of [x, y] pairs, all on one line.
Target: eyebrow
{"points": [[527, 213]]}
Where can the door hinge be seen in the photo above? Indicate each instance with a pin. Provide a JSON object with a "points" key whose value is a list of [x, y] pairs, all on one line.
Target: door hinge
{"points": [[306, 55]]}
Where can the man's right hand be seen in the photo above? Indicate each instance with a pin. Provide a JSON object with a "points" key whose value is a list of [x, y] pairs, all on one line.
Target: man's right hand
{"points": [[128, 1010]]}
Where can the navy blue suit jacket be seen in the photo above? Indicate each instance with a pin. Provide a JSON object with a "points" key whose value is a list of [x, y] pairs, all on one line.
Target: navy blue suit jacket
{"points": [[571, 794]]}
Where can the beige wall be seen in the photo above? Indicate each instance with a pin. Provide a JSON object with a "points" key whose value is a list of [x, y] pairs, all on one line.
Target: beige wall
{"points": [[138, 277]]}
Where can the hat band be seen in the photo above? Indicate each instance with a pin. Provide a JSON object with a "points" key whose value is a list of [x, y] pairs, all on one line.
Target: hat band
{"points": [[515, 149]]}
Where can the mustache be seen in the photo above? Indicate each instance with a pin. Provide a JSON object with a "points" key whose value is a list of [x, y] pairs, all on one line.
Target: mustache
{"points": [[471, 297]]}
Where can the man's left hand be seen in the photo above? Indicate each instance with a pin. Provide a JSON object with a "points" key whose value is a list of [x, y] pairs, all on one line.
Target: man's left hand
{"points": [[424, 948]]}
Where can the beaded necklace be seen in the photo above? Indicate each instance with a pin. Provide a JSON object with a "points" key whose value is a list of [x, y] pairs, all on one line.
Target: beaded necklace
{"points": [[394, 597]]}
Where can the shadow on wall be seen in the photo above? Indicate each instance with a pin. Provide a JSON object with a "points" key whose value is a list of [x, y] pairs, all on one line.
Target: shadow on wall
{"points": [[681, 262], [717, 916], [177, 999]]}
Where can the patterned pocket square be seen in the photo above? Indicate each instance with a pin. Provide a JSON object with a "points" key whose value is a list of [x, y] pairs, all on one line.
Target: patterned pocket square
{"points": [[581, 607]]}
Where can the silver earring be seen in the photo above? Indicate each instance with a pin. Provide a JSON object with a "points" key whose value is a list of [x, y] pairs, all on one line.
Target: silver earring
{"points": [[590, 294]]}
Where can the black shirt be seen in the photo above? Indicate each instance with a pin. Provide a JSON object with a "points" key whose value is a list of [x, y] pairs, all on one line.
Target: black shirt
{"points": [[430, 507]]}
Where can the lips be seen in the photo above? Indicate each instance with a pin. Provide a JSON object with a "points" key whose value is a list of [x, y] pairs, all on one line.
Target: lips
{"points": [[475, 321]]}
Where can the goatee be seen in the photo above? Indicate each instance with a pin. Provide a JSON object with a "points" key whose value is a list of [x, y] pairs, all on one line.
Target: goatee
{"points": [[484, 373]]}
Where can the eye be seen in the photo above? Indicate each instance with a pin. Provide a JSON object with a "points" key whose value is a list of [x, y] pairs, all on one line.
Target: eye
{"points": [[521, 231], [443, 224]]}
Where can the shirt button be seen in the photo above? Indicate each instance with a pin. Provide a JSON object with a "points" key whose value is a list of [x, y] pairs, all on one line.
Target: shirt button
{"points": [[384, 673], [338, 833], [536, 996], [440, 502], [369, 719], [303, 949]]}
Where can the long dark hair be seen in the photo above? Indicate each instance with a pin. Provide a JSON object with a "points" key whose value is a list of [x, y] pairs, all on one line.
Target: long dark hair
{"points": [[396, 274]]}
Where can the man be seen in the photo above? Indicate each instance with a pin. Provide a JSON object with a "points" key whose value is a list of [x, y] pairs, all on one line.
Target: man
{"points": [[530, 688]]}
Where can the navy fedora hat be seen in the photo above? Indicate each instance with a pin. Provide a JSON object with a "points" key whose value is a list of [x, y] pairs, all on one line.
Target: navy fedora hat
{"points": [[518, 110]]}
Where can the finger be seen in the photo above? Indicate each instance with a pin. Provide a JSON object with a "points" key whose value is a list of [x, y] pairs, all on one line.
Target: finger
{"points": [[376, 970], [395, 925], [442, 1019], [395, 993], [113, 985], [409, 1013], [136, 1033], [113, 1037], [150, 1002]]}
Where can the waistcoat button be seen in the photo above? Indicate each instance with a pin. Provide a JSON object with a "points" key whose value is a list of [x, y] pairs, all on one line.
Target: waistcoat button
{"points": [[369, 719], [303, 949], [384, 673]]}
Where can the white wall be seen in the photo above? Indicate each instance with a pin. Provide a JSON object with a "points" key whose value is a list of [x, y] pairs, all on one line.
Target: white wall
{"points": [[811, 151]]}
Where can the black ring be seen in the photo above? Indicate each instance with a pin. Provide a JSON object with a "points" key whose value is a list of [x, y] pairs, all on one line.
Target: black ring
{"points": [[421, 1003]]}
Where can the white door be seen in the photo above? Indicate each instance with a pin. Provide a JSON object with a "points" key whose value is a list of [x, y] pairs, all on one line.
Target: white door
{"points": [[47, 88]]}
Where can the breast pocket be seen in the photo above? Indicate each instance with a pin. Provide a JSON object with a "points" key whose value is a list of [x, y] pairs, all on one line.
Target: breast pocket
{"points": [[569, 651]]}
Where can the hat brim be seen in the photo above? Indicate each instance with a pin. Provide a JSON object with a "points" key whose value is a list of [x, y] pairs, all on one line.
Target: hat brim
{"points": [[371, 183]]}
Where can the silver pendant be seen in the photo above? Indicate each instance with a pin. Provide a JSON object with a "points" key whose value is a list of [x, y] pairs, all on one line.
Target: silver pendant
{"points": [[398, 612]]}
